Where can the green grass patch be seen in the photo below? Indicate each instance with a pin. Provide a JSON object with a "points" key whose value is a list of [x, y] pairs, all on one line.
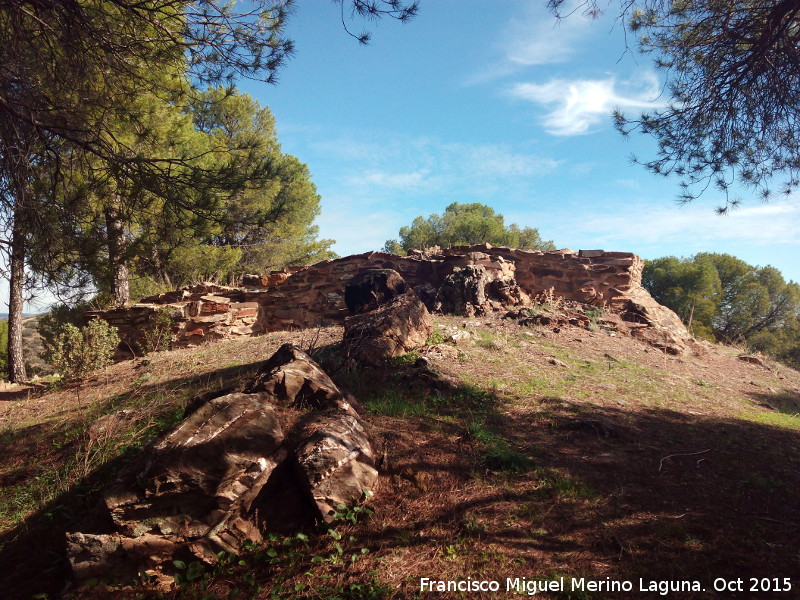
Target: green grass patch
{"points": [[496, 453], [395, 404], [553, 483], [776, 419]]}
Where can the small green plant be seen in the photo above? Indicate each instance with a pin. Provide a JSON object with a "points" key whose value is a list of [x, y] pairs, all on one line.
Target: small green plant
{"points": [[497, 454], [488, 341], [394, 404], [437, 337], [404, 360], [77, 352], [353, 514], [594, 314], [158, 336]]}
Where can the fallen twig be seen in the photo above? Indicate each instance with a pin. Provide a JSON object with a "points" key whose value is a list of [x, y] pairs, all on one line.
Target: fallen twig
{"points": [[661, 463], [775, 521]]}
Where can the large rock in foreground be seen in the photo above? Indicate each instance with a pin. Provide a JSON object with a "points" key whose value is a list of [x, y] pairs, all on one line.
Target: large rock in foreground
{"points": [[336, 462], [220, 477], [653, 322]]}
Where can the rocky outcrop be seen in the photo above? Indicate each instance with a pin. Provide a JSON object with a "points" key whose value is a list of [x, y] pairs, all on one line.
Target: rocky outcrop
{"points": [[462, 280], [219, 478], [395, 323], [653, 323], [475, 290], [197, 314]]}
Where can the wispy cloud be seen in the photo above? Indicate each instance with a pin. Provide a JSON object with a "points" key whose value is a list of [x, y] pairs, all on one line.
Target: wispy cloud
{"points": [[536, 38], [414, 179], [692, 228], [541, 39], [575, 106], [395, 164], [382, 181]]}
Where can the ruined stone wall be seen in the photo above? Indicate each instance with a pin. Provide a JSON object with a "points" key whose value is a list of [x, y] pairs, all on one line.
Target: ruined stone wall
{"points": [[198, 313], [316, 295], [590, 276], [303, 297]]}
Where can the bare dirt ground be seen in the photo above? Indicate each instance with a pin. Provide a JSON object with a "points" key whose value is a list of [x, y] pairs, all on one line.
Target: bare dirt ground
{"points": [[516, 453]]}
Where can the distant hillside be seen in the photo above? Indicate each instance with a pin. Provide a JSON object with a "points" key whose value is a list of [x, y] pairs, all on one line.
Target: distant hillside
{"points": [[4, 316]]}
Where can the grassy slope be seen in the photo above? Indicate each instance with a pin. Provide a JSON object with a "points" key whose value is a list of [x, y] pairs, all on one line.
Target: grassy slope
{"points": [[619, 462]]}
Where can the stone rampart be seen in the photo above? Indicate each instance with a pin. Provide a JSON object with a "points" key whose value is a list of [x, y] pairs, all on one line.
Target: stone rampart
{"points": [[303, 297], [315, 296]]}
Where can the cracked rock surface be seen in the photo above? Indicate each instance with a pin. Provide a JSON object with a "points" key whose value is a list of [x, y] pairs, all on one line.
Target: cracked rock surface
{"points": [[229, 472]]}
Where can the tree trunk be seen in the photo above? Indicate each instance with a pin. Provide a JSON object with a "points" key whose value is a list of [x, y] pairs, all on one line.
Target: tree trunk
{"points": [[691, 315], [16, 360], [159, 267], [120, 280]]}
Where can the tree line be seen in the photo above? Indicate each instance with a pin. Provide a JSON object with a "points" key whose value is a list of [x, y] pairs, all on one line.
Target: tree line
{"points": [[722, 298], [126, 152], [465, 225]]}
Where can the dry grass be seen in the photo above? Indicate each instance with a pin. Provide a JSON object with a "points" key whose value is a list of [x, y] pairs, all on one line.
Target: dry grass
{"points": [[624, 463]]}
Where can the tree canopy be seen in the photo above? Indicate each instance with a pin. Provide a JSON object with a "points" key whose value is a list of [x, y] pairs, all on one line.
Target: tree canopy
{"points": [[733, 85], [721, 297], [80, 139], [465, 224]]}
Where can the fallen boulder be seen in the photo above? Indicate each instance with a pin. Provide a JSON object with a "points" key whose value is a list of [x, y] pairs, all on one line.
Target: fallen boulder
{"points": [[390, 330], [373, 288], [292, 378], [238, 465], [336, 463]]}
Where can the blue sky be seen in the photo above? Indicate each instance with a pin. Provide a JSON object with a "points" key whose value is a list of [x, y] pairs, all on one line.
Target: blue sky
{"points": [[495, 103]]}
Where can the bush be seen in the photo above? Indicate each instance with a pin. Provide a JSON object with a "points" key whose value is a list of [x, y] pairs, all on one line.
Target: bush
{"points": [[77, 352], [158, 336]]}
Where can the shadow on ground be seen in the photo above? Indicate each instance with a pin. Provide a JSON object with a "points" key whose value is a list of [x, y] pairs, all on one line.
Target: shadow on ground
{"points": [[469, 488]]}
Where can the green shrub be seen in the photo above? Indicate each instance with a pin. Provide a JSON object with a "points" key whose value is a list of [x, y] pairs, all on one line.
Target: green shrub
{"points": [[158, 336], [77, 352]]}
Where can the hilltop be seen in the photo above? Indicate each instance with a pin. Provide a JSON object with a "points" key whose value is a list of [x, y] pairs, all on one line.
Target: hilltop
{"points": [[512, 451]]}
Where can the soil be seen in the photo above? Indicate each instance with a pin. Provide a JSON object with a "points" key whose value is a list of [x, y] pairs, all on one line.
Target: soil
{"points": [[520, 452]]}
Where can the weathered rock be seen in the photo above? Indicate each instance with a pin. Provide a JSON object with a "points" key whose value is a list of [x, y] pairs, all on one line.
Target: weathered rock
{"points": [[463, 292], [227, 472], [660, 326], [478, 290], [294, 379], [391, 330], [114, 557], [374, 288], [196, 480], [752, 359], [336, 462], [253, 280]]}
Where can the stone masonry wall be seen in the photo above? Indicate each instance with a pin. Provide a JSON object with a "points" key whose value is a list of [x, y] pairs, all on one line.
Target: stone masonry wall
{"points": [[316, 295], [302, 297]]}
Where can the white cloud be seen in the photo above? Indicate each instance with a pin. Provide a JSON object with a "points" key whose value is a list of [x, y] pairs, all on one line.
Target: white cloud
{"points": [[541, 39], [394, 164], [695, 227], [376, 183], [578, 105], [536, 38], [393, 180]]}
